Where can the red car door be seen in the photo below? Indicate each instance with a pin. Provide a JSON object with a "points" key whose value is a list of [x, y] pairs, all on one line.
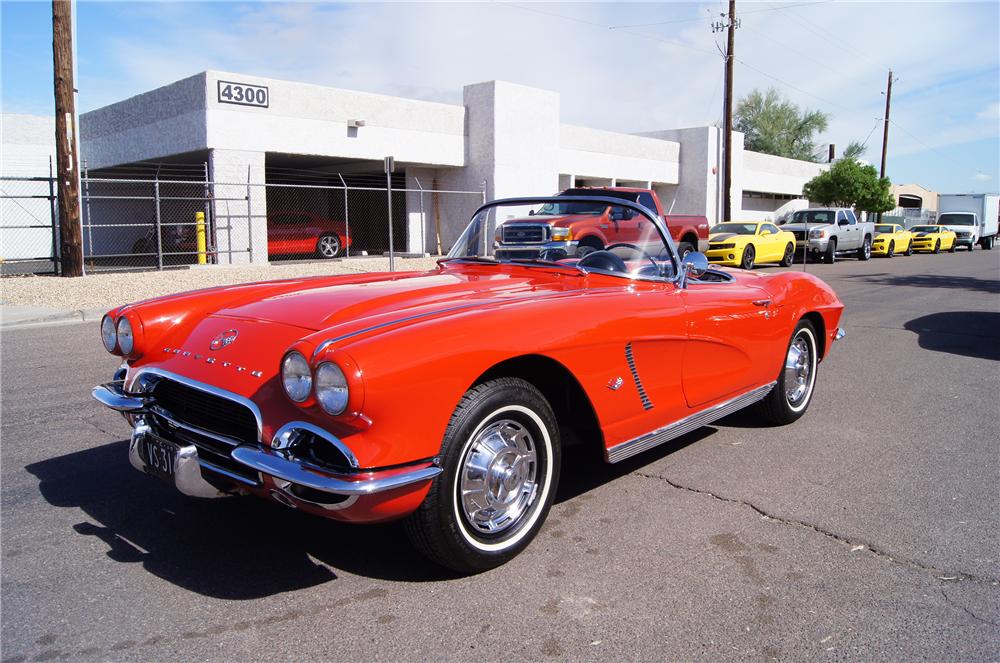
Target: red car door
{"points": [[735, 340]]}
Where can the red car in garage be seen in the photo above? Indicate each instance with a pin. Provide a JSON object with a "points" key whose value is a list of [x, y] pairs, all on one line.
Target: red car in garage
{"points": [[297, 232]]}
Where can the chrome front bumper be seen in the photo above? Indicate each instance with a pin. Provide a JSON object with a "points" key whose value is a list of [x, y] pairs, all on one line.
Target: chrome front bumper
{"points": [[568, 246], [280, 464]]}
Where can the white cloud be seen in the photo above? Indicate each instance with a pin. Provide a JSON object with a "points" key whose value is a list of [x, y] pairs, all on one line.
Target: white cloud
{"points": [[991, 112], [981, 177]]}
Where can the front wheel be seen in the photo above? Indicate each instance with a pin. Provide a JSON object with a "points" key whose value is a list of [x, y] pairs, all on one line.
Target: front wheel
{"points": [[865, 252], [830, 255], [501, 458], [937, 246], [892, 250], [328, 246], [794, 389], [748, 256], [909, 248], [786, 260]]}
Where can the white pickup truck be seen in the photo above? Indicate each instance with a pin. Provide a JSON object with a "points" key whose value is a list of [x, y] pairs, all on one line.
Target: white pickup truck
{"points": [[973, 217], [827, 231]]}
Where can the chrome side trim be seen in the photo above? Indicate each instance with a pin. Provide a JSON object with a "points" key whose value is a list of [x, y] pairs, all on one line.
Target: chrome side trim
{"points": [[194, 384], [840, 334], [113, 396], [283, 439], [310, 476], [637, 445], [630, 360]]}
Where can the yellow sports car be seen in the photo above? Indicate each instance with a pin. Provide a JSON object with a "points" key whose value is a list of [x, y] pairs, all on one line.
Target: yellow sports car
{"points": [[890, 239], [933, 239], [746, 244]]}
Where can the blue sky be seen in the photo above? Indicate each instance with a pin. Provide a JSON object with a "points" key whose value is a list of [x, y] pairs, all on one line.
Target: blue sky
{"points": [[621, 67]]}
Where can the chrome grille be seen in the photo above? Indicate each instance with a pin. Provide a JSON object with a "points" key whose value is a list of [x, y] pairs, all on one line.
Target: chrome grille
{"points": [[524, 233]]}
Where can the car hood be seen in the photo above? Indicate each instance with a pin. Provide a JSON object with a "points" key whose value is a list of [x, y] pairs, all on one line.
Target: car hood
{"points": [[791, 227], [722, 237], [346, 305], [554, 219]]}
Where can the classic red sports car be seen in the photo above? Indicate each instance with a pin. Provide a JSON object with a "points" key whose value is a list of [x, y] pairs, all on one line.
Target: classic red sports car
{"points": [[446, 397], [297, 231]]}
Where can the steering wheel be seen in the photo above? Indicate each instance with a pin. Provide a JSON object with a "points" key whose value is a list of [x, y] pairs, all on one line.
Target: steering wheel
{"points": [[637, 250]]}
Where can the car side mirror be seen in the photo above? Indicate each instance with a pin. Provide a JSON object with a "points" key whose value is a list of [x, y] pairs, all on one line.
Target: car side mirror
{"points": [[765, 232], [531, 212], [694, 265], [617, 215], [843, 222]]}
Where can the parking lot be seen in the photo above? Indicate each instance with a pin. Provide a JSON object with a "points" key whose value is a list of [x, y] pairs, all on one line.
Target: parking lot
{"points": [[867, 530]]}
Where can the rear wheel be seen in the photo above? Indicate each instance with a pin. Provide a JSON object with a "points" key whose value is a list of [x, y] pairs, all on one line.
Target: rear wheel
{"points": [[865, 252], [500, 457], [987, 242], [892, 250], [748, 256], [794, 389], [953, 247], [684, 248], [786, 260], [328, 246]]}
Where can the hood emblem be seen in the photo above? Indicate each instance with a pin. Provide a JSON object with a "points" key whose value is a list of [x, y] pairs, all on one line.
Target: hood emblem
{"points": [[224, 339]]}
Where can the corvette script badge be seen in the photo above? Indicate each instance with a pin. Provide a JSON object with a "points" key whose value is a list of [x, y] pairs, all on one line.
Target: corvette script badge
{"points": [[224, 339]]}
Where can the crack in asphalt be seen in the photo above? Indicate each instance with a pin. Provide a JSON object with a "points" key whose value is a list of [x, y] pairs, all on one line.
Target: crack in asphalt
{"points": [[944, 576], [967, 611]]}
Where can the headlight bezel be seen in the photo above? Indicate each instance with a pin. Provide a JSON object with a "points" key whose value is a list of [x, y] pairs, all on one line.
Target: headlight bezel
{"points": [[561, 234], [818, 233], [124, 330], [304, 377], [330, 379], [108, 320]]}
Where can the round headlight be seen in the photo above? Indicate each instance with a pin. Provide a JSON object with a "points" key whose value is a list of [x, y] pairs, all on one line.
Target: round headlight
{"points": [[126, 343], [108, 335], [296, 376], [331, 388]]}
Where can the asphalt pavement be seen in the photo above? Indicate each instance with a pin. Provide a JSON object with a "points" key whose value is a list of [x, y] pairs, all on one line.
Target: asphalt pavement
{"points": [[869, 530]]}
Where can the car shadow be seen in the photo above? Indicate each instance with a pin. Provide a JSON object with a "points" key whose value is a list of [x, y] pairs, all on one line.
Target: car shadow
{"points": [[967, 333], [967, 283], [232, 548]]}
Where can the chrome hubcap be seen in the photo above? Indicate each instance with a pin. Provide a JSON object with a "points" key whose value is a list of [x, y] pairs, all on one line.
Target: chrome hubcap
{"points": [[329, 246], [498, 481], [798, 371]]}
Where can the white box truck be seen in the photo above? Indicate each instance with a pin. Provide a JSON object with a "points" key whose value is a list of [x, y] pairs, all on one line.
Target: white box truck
{"points": [[973, 217]]}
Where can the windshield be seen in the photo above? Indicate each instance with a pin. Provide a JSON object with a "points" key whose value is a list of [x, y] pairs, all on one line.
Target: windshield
{"points": [[925, 229], [627, 243], [574, 207], [814, 216], [738, 228], [885, 229], [957, 220]]}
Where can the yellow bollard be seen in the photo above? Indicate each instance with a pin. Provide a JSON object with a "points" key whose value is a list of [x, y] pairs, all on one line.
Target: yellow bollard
{"points": [[199, 219]]}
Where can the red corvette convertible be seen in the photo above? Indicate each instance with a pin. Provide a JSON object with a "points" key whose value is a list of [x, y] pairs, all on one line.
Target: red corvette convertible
{"points": [[295, 231], [446, 397]]}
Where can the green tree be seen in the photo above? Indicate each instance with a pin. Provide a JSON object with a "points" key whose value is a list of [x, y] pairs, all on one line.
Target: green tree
{"points": [[851, 184], [853, 151], [774, 125]]}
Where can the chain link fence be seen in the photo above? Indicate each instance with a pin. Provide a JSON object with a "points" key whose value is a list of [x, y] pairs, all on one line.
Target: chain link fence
{"points": [[176, 216]]}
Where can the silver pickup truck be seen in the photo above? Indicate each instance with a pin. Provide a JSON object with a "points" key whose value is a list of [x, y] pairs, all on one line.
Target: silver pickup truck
{"points": [[827, 231]]}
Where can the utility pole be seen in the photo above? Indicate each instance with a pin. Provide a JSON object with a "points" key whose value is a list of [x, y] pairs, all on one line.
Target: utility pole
{"points": [[729, 23], [885, 130], [67, 162]]}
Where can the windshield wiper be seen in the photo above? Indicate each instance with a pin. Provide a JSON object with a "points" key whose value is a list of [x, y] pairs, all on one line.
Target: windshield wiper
{"points": [[550, 263]]}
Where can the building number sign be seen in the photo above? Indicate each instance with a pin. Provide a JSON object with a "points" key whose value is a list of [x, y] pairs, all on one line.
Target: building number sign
{"points": [[243, 94]]}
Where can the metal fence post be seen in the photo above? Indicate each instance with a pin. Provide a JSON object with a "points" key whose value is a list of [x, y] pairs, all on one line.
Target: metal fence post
{"points": [[249, 220], [159, 229], [210, 218], [347, 218], [86, 197], [54, 215], [388, 189], [423, 220]]}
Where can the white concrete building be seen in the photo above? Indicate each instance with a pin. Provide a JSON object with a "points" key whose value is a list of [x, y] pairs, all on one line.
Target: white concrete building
{"points": [[505, 139]]}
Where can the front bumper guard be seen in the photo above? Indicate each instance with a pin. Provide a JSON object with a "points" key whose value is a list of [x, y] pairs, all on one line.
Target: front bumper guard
{"points": [[280, 465]]}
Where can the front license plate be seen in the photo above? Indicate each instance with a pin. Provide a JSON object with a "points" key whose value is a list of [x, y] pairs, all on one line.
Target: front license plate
{"points": [[160, 456]]}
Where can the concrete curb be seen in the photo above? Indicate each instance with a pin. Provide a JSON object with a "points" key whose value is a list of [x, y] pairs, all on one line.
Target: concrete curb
{"points": [[16, 317]]}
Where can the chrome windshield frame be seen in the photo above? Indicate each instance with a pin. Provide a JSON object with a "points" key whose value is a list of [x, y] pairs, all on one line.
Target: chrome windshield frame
{"points": [[657, 222]]}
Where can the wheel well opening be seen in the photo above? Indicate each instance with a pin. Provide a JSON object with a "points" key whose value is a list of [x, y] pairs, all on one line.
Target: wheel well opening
{"points": [[592, 240], [574, 412], [691, 239], [817, 322]]}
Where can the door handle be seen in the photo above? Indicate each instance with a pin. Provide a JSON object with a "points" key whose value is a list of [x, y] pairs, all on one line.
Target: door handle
{"points": [[762, 302]]}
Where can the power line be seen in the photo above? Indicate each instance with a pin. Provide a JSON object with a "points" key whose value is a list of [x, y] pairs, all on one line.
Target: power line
{"points": [[742, 13]]}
